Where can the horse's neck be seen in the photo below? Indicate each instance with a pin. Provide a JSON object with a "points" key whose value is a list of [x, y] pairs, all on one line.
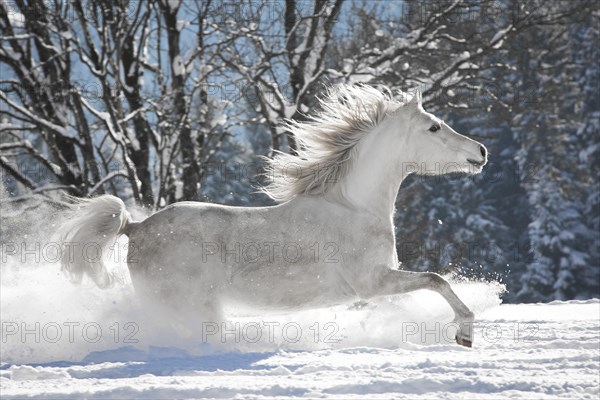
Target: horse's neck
{"points": [[374, 179]]}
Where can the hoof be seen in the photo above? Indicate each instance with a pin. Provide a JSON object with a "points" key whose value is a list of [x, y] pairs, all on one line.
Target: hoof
{"points": [[464, 336], [464, 341]]}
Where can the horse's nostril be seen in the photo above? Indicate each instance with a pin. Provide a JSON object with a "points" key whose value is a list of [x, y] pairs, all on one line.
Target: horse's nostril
{"points": [[483, 151]]}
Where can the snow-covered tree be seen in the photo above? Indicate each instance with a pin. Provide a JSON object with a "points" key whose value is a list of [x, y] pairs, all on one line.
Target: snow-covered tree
{"points": [[108, 89], [547, 125]]}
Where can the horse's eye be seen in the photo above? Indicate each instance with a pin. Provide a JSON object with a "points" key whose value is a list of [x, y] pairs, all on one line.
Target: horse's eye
{"points": [[434, 128]]}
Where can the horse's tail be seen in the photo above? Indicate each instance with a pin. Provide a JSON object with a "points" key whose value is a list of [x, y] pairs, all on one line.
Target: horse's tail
{"points": [[87, 236]]}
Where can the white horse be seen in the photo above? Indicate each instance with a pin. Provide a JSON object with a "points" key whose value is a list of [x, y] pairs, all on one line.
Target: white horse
{"points": [[329, 241]]}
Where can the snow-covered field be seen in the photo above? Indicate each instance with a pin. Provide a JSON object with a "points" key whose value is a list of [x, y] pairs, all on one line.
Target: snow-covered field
{"points": [[89, 343]]}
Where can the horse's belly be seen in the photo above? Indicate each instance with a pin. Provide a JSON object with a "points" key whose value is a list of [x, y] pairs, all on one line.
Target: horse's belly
{"points": [[288, 288]]}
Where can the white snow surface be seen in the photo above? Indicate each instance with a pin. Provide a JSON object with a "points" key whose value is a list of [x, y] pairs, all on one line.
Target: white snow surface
{"points": [[390, 348]]}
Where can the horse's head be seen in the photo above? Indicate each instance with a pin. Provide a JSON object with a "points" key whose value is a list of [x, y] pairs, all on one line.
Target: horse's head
{"points": [[435, 148]]}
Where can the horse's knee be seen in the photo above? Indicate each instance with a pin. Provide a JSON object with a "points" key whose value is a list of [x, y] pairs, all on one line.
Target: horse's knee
{"points": [[436, 281]]}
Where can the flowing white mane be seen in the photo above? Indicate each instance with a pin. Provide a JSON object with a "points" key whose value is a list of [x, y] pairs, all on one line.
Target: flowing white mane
{"points": [[327, 141]]}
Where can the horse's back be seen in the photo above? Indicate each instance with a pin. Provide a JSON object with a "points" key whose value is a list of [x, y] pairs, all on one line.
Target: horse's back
{"points": [[182, 235]]}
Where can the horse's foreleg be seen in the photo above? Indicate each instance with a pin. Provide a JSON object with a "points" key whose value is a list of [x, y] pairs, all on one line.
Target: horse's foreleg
{"points": [[387, 282]]}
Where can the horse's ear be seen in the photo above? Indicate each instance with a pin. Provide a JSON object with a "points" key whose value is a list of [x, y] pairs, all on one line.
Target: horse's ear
{"points": [[416, 100]]}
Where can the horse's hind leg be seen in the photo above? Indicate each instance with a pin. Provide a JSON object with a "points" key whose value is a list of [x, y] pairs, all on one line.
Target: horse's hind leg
{"points": [[387, 282]]}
